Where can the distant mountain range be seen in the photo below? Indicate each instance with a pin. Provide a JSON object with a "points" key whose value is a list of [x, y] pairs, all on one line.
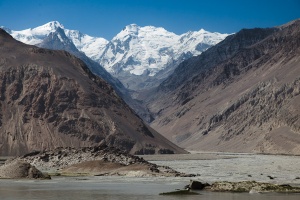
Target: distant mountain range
{"points": [[140, 57]]}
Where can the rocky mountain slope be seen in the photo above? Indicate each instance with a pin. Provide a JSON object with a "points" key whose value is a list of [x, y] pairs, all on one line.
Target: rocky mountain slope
{"points": [[140, 57], [50, 99], [241, 95]]}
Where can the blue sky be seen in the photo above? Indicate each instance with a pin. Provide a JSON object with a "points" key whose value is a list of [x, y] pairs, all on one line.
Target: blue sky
{"points": [[105, 18]]}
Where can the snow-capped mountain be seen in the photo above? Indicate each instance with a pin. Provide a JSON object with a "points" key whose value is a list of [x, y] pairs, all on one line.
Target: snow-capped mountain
{"points": [[91, 46], [140, 50], [36, 35], [141, 57]]}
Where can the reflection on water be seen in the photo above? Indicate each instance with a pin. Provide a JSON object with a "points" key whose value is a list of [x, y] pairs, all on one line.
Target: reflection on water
{"points": [[113, 188]]}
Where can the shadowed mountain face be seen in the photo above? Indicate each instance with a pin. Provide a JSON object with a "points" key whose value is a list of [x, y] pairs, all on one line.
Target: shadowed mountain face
{"points": [[241, 95], [50, 99]]}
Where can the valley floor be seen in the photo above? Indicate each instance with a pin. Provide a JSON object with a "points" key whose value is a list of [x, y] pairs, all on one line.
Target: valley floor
{"points": [[211, 167]]}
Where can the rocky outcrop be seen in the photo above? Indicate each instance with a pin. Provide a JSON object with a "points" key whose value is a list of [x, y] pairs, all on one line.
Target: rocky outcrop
{"points": [[101, 161], [18, 169], [51, 99], [251, 187], [241, 95], [196, 185], [243, 186]]}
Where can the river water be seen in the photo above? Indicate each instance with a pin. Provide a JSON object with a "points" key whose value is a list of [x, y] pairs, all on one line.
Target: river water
{"points": [[210, 167]]}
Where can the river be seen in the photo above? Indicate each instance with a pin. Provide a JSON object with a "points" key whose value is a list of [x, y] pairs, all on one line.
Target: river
{"points": [[211, 167]]}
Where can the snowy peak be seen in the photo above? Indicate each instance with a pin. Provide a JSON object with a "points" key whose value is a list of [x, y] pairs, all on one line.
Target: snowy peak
{"points": [[198, 41], [92, 46], [148, 50], [47, 28], [131, 29], [36, 35], [128, 31], [135, 30], [138, 50], [58, 40]]}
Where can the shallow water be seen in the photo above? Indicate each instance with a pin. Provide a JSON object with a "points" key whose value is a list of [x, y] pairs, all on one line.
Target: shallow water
{"points": [[113, 188], [233, 167], [237, 167]]}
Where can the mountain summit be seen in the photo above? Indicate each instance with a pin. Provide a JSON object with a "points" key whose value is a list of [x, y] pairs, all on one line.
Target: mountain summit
{"points": [[36, 35]]}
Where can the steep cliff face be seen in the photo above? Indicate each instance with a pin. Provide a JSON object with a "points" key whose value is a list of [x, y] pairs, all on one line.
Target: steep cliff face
{"points": [[241, 95], [50, 99]]}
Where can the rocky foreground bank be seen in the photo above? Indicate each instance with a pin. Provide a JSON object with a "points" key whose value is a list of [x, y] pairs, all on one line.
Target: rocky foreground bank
{"points": [[242, 186], [18, 169], [96, 161], [226, 186]]}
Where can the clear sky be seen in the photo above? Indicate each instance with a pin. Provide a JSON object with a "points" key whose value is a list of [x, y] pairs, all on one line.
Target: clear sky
{"points": [[106, 18]]}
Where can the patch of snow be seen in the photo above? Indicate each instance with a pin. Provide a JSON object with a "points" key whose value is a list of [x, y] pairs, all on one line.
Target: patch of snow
{"points": [[59, 37]]}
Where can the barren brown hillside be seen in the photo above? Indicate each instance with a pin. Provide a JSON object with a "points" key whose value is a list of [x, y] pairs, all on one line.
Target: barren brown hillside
{"points": [[242, 95]]}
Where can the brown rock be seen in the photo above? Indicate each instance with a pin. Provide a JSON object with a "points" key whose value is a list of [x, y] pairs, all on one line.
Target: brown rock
{"points": [[20, 169], [251, 187], [197, 185]]}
